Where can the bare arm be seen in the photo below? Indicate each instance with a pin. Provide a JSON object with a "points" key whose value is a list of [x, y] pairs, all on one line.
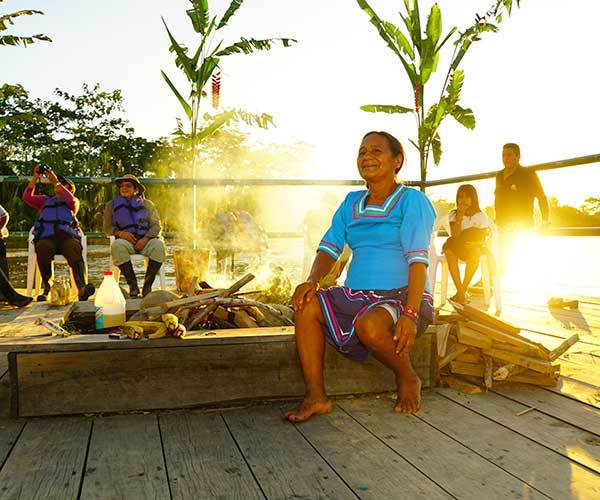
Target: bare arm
{"points": [[3, 223], [541, 197], [305, 292], [406, 328]]}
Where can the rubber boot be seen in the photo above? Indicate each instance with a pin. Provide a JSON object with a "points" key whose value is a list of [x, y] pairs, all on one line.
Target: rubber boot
{"points": [[151, 272], [45, 286], [129, 275], [10, 294], [85, 290]]}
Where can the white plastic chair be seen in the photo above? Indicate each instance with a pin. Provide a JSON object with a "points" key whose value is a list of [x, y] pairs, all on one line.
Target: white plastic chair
{"points": [[437, 257], [135, 257], [34, 281]]}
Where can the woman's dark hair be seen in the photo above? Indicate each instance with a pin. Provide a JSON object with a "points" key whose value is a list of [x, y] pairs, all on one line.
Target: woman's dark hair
{"points": [[395, 144], [470, 191]]}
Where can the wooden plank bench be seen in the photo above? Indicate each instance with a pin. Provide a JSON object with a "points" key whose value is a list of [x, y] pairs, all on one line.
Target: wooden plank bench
{"points": [[92, 373]]}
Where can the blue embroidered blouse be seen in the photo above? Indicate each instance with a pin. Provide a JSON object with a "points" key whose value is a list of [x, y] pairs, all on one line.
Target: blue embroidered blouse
{"points": [[384, 239]]}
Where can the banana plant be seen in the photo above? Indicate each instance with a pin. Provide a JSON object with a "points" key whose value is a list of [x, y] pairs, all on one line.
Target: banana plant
{"points": [[199, 65], [7, 20], [419, 55]]}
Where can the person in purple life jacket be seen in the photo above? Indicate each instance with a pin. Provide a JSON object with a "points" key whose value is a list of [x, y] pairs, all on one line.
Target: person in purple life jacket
{"points": [[57, 230], [134, 222]]}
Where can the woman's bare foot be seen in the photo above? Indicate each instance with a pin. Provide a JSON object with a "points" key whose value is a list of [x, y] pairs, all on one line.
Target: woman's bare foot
{"points": [[308, 408], [409, 393]]}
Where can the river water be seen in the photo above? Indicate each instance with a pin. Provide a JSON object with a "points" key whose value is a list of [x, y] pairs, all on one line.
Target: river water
{"points": [[539, 265]]}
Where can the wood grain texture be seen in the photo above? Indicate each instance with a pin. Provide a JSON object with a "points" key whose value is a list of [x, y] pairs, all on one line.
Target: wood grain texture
{"points": [[457, 469], [47, 461], [203, 459], [574, 443], [128, 379], [282, 461], [368, 466], [125, 460], [548, 472]]}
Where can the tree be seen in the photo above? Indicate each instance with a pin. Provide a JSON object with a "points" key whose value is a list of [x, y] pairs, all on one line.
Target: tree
{"points": [[8, 19], [200, 67], [205, 62], [419, 55]]}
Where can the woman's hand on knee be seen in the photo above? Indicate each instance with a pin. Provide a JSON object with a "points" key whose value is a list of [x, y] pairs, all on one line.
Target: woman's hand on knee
{"points": [[405, 335], [303, 294]]}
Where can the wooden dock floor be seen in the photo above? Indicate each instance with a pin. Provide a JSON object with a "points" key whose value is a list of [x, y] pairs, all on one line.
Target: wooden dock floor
{"points": [[457, 446]]}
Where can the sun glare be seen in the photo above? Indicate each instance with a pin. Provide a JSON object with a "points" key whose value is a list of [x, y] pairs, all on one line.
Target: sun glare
{"points": [[530, 267]]}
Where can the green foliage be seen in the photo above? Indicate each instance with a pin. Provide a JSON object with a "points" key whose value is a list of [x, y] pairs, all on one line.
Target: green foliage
{"points": [[7, 20], [419, 55], [205, 61]]}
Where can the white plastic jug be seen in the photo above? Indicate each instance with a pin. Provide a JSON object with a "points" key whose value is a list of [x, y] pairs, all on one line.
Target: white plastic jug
{"points": [[109, 303]]}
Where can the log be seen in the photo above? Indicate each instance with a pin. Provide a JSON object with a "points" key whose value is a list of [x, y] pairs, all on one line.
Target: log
{"points": [[518, 359], [506, 371], [524, 350], [187, 301], [499, 336], [487, 319], [487, 371], [564, 347], [243, 320], [225, 293]]}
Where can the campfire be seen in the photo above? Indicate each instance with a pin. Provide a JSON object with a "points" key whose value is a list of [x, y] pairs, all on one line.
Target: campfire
{"points": [[165, 314]]}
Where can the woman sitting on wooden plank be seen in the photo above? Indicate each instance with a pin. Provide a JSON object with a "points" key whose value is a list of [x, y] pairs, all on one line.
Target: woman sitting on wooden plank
{"points": [[384, 304], [469, 239]]}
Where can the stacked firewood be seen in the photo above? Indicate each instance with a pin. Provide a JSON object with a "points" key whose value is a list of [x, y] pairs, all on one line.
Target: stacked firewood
{"points": [[223, 308], [478, 350]]}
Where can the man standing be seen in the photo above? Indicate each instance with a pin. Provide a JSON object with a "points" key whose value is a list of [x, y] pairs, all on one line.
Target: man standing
{"points": [[134, 222], [516, 187]]}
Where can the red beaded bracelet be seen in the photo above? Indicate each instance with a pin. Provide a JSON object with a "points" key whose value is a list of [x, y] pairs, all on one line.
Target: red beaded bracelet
{"points": [[411, 313]]}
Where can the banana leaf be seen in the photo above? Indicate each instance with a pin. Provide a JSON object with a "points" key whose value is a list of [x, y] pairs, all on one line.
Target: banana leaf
{"points": [[199, 15], [249, 45], [233, 6], [385, 108], [186, 107]]}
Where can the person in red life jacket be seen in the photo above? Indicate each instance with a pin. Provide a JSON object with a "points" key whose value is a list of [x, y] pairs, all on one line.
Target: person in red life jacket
{"points": [[134, 222], [57, 230]]}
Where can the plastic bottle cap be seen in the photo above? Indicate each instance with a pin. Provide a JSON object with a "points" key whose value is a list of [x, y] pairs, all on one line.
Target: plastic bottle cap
{"points": [[108, 273]]}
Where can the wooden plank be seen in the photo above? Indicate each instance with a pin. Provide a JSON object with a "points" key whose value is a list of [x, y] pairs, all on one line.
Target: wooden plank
{"points": [[125, 460], [3, 364], [283, 463], [521, 360], [24, 325], [462, 385], [472, 369], [548, 472], [577, 390], [555, 405], [451, 465], [117, 380], [480, 316], [455, 351], [367, 465], [527, 345], [47, 461], [572, 442], [470, 356], [203, 460], [467, 336]]}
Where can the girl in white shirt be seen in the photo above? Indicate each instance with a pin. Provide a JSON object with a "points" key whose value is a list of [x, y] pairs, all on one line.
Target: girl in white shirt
{"points": [[469, 234]]}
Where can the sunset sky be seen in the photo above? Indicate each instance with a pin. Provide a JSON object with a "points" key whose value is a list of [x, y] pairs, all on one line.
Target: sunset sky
{"points": [[535, 82]]}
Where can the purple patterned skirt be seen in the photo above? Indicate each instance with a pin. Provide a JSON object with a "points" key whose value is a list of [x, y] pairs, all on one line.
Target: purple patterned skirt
{"points": [[342, 307]]}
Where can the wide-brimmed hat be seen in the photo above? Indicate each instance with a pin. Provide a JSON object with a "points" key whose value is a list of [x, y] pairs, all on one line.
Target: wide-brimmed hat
{"points": [[133, 179]]}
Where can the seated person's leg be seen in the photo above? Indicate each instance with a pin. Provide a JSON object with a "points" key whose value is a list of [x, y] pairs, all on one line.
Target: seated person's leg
{"points": [[45, 250], [3, 259], [73, 252], [121, 250], [9, 294], [156, 252], [451, 250], [472, 259]]}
